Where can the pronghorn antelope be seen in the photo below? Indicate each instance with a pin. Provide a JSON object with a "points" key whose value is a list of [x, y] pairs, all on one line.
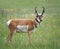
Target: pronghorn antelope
{"points": [[24, 25]]}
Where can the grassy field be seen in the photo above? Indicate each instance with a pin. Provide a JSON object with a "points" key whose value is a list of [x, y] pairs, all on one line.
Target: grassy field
{"points": [[47, 35]]}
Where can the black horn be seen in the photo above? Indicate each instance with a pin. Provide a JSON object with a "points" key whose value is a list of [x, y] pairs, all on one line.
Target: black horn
{"points": [[36, 11], [43, 11]]}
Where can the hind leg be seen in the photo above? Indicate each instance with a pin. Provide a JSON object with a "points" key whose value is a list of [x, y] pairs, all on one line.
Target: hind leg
{"points": [[29, 39]]}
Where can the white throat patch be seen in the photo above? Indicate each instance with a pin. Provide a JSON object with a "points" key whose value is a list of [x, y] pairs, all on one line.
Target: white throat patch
{"points": [[38, 19], [23, 28]]}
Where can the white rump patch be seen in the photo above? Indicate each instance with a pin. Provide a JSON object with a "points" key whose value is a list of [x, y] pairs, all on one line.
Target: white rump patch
{"points": [[8, 22], [23, 28]]}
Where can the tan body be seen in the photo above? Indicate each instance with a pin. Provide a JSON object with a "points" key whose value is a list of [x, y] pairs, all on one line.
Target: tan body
{"points": [[22, 22]]}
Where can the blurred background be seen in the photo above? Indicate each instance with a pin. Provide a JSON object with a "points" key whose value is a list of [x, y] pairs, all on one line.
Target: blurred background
{"points": [[47, 35]]}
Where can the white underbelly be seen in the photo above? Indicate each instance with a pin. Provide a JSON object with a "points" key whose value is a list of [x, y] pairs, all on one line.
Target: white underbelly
{"points": [[21, 28]]}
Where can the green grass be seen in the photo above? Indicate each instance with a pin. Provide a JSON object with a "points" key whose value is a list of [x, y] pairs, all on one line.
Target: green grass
{"points": [[47, 35]]}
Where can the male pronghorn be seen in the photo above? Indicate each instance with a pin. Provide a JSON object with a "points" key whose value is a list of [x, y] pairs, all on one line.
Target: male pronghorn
{"points": [[24, 25]]}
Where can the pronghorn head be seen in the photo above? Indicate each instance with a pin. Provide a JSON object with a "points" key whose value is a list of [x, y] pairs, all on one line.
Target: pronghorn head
{"points": [[39, 16]]}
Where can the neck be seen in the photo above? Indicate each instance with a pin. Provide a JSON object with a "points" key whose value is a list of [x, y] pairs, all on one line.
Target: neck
{"points": [[36, 23]]}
